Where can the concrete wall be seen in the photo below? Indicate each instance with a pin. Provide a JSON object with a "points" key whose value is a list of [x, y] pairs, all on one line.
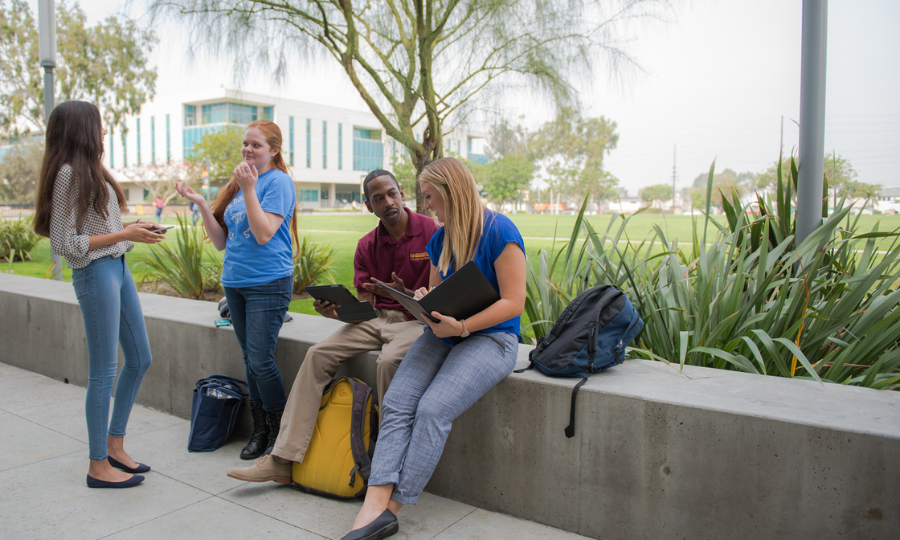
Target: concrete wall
{"points": [[657, 453]]}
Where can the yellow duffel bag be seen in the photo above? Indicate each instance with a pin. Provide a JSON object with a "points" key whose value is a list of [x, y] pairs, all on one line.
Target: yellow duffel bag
{"points": [[339, 457]]}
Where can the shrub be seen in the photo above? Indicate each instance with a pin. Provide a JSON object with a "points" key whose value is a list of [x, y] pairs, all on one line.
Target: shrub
{"points": [[313, 265], [179, 262], [17, 239], [748, 299]]}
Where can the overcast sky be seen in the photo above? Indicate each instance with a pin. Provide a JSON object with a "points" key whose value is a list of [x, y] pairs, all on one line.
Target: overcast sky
{"points": [[716, 82]]}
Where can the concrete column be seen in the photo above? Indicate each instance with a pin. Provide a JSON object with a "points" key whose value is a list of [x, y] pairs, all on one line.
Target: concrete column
{"points": [[332, 195]]}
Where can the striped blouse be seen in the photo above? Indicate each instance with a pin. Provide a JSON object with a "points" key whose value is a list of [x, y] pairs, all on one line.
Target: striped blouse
{"points": [[72, 242]]}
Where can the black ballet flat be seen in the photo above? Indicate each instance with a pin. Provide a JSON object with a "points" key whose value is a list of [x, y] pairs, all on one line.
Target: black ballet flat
{"points": [[384, 526], [141, 468], [131, 482]]}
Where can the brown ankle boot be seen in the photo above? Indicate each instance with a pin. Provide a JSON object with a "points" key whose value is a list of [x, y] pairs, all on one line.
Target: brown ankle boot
{"points": [[267, 468]]}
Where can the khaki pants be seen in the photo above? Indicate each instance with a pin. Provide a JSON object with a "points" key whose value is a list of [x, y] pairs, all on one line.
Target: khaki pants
{"points": [[392, 332]]}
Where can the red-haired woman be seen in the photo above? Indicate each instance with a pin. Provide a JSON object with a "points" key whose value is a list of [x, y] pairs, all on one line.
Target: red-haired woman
{"points": [[78, 206], [249, 220]]}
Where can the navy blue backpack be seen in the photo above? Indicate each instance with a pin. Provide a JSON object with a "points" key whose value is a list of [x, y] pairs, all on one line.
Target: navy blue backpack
{"points": [[590, 336]]}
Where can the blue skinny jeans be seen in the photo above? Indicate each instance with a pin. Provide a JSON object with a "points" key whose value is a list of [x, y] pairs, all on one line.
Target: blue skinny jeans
{"points": [[112, 316], [257, 314]]}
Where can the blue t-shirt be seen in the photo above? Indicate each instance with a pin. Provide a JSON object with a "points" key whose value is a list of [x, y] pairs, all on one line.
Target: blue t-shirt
{"points": [[247, 263], [498, 231]]}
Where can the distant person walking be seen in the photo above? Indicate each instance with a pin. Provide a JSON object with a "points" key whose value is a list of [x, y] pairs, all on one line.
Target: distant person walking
{"points": [[78, 207], [249, 220], [195, 213], [159, 204]]}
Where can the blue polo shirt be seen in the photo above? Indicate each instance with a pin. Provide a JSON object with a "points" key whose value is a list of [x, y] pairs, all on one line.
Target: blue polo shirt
{"points": [[247, 263], [498, 231]]}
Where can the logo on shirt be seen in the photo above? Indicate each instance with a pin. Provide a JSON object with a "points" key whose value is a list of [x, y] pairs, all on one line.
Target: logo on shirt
{"points": [[418, 256]]}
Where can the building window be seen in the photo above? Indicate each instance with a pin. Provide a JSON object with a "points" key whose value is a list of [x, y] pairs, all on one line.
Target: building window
{"points": [[324, 144], [193, 135], [168, 142], [480, 159], [368, 152], [308, 195], [190, 115], [268, 114], [232, 113], [152, 140], [340, 146], [124, 148], [347, 197], [308, 143], [291, 139], [112, 162]]}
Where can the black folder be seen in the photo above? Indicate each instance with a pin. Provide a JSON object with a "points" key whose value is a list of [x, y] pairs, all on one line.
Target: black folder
{"points": [[465, 293], [351, 309]]}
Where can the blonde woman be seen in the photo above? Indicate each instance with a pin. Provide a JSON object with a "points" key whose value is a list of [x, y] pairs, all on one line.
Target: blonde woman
{"points": [[438, 380]]}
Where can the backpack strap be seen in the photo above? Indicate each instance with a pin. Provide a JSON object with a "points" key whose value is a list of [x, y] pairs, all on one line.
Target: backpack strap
{"points": [[570, 429], [530, 362], [361, 394], [609, 296]]}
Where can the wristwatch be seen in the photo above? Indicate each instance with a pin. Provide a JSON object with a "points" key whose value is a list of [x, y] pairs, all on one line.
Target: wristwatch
{"points": [[465, 333]]}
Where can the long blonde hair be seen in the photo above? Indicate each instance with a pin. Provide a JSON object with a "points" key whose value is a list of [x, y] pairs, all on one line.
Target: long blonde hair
{"points": [[463, 211]]}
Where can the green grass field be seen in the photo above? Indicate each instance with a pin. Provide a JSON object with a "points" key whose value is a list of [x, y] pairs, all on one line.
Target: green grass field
{"points": [[344, 231]]}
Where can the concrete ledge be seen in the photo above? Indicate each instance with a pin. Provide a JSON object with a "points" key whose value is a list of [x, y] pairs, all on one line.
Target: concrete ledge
{"points": [[657, 453]]}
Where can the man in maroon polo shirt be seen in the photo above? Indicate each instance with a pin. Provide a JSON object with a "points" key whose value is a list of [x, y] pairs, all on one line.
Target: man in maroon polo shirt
{"points": [[394, 254]]}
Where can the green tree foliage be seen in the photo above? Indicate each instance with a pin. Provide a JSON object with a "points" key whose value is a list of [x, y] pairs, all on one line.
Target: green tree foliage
{"points": [[508, 140], [726, 182], [503, 179], [20, 170], [571, 149], [418, 64], [842, 179], [405, 173], [219, 152], [657, 192], [105, 64]]}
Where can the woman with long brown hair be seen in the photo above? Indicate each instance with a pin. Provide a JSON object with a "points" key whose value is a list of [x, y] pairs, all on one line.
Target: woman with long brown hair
{"points": [[250, 221], [78, 206], [441, 377]]}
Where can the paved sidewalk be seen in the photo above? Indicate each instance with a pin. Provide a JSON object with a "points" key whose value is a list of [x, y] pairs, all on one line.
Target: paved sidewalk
{"points": [[43, 463]]}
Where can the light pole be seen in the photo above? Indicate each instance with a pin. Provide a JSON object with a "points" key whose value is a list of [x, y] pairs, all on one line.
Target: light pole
{"points": [[47, 48], [812, 117]]}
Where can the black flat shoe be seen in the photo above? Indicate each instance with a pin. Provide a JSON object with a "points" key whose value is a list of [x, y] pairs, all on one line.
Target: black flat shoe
{"points": [[141, 468], [133, 481], [384, 526]]}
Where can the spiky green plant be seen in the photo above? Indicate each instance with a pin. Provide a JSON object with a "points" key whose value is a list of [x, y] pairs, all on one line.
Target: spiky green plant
{"points": [[184, 262], [313, 265], [17, 239], [743, 296]]}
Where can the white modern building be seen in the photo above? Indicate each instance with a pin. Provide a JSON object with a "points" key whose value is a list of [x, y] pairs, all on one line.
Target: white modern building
{"points": [[329, 150]]}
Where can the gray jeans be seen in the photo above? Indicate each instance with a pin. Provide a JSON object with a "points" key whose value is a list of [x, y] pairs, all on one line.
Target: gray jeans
{"points": [[435, 383]]}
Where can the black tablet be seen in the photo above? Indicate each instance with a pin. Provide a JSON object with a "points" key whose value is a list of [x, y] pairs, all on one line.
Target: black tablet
{"points": [[336, 294], [351, 309]]}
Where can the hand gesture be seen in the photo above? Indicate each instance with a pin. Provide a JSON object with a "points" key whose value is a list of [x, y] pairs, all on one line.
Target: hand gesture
{"points": [[246, 176], [143, 233], [188, 193], [326, 309], [378, 287]]}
